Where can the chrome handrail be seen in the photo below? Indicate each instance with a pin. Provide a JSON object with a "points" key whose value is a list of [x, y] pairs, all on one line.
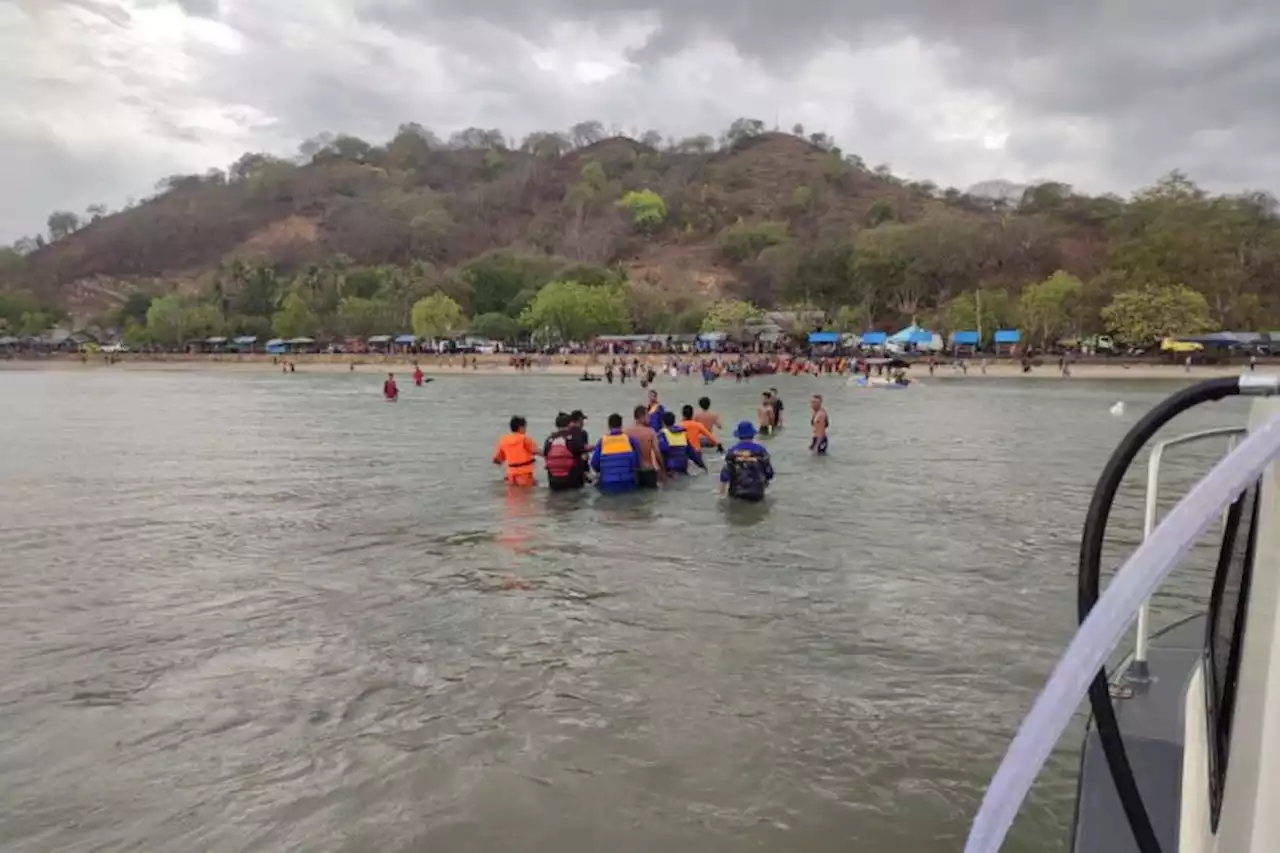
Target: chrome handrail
{"points": [[1137, 672]]}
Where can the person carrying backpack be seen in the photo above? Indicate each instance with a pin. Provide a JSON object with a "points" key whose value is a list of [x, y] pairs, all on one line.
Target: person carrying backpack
{"points": [[747, 469]]}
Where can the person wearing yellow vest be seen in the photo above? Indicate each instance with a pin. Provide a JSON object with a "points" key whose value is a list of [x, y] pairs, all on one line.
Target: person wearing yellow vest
{"points": [[616, 459], [676, 448]]}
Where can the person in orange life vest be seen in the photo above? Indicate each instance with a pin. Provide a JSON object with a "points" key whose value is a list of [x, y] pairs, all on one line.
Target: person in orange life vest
{"points": [[389, 389], [654, 412], [676, 448], [699, 435], [562, 452], [616, 459], [417, 374], [517, 451]]}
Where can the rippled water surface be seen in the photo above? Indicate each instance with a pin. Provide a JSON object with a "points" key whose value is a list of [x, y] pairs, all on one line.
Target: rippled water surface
{"points": [[272, 613]]}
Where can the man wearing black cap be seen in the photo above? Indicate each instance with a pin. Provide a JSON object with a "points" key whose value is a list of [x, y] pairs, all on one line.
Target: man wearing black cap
{"points": [[577, 425]]}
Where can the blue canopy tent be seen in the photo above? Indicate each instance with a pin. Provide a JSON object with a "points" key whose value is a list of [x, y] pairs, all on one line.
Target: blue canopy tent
{"points": [[1006, 339], [276, 346], [964, 339], [244, 343], [709, 341], [406, 339], [912, 334], [824, 338], [874, 339]]}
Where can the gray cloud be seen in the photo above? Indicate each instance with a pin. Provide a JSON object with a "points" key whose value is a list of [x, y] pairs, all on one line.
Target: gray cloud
{"points": [[99, 98]]}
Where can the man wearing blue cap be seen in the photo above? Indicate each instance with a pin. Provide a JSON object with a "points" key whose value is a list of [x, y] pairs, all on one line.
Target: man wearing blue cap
{"points": [[747, 470]]}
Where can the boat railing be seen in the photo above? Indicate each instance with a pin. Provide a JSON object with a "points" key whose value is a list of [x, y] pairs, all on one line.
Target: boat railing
{"points": [[1138, 672]]}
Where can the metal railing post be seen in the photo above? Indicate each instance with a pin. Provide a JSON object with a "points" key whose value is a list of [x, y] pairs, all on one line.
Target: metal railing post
{"points": [[1138, 671]]}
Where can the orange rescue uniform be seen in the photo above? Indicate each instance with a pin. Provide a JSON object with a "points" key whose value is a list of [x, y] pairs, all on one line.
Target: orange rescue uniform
{"points": [[517, 450], [699, 434]]}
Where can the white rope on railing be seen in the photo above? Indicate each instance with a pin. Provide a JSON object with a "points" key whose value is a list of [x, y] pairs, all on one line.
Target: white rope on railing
{"points": [[1106, 624]]}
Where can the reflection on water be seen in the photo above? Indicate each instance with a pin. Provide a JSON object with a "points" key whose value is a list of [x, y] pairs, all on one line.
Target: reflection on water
{"points": [[268, 613]]}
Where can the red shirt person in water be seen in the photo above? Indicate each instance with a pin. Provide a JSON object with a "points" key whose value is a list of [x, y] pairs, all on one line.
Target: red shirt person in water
{"points": [[389, 388], [417, 375]]}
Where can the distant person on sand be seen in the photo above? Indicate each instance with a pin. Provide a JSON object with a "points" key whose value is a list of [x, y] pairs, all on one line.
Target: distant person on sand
{"points": [[389, 388], [517, 451]]}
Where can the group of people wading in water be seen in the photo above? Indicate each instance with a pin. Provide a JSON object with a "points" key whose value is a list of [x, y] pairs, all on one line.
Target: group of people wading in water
{"points": [[656, 446]]}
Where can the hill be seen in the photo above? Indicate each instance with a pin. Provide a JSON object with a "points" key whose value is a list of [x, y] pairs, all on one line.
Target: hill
{"points": [[767, 217]]}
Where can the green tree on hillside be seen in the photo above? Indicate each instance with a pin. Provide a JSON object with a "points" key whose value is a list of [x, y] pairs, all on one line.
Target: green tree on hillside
{"points": [[62, 223], [495, 327], [982, 310], [295, 319], [361, 318], [495, 279], [167, 321], [730, 315], [437, 316], [647, 209], [1050, 309], [743, 240], [568, 311], [1145, 315]]}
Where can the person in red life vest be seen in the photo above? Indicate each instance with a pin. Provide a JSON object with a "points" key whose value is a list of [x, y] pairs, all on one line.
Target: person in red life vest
{"points": [[518, 451], [562, 452], [417, 374], [389, 388]]}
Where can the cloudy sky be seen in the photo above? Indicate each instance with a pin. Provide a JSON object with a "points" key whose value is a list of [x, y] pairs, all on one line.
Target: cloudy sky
{"points": [[100, 98]]}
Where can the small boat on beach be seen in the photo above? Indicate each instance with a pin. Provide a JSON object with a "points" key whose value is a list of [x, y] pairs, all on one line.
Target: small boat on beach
{"points": [[1182, 749]]}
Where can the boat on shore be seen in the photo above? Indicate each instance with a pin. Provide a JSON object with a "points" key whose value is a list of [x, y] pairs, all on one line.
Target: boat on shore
{"points": [[1182, 749]]}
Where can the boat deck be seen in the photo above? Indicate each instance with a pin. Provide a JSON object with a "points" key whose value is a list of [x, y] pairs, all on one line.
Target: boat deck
{"points": [[1151, 720]]}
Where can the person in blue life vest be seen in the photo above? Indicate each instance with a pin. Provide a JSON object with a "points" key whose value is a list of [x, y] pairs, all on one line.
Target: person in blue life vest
{"points": [[676, 448], [616, 459], [655, 412], [747, 469]]}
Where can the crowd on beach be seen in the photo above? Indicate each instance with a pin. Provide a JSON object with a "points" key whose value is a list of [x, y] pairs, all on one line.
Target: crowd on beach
{"points": [[654, 448]]}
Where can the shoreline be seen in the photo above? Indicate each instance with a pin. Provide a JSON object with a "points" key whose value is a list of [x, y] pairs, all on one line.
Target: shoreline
{"points": [[565, 366]]}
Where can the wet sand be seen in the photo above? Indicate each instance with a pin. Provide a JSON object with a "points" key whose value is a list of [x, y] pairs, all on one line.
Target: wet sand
{"points": [[490, 365]]}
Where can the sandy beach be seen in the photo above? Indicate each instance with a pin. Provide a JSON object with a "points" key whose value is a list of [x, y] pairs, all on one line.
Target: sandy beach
{"points": [[499, 365]]}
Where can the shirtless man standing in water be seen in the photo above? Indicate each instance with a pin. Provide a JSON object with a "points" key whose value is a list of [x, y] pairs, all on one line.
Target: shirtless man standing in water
{"points": [[765, 414], [651, 468], [708, 418], [820, 422]]}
